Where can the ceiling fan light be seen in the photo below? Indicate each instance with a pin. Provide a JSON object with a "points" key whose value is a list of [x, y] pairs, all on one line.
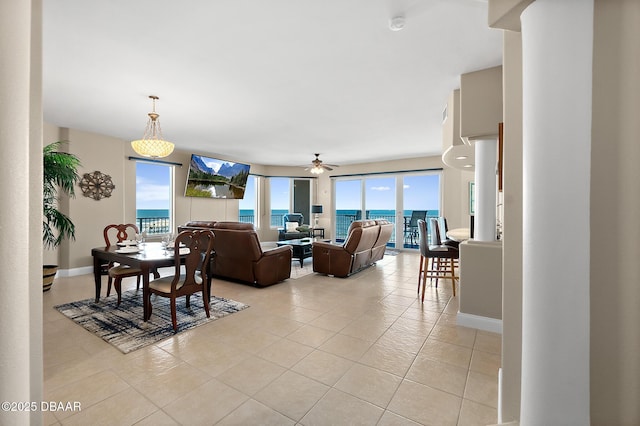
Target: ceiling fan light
{"points": [[316, 170], [152, 145]]}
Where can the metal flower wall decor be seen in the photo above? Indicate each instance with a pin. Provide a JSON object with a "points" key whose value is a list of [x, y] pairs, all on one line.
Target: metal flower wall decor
{"points": [[96, 185]]}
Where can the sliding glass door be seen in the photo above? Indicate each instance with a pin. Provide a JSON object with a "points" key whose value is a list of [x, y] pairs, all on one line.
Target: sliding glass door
{"points": [[348, 204], [380, 200], [400, 198]]}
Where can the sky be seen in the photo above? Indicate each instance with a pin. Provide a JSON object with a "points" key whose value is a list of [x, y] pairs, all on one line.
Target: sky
{"points": [[420, 192], [153, 186]]}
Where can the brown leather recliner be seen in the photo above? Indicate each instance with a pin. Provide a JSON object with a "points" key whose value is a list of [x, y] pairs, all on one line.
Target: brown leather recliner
{"points": [[386, 230], [356, 253], [238, 254]]}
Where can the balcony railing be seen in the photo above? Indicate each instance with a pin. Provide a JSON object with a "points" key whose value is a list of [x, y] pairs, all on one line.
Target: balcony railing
{"points": [[154, 225]]}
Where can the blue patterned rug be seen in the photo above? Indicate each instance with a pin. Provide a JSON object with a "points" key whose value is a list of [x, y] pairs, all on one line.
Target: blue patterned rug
{"points": [[123, 327]]}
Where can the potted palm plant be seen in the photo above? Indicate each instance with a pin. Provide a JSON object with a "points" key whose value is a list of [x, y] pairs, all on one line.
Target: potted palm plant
{"points": [[60, 175]]}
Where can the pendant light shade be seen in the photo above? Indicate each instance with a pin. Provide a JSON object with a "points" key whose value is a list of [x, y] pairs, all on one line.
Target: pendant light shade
{"points": [[152, 144]]}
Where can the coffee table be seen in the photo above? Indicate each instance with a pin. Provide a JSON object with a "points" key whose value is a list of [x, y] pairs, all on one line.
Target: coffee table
{"points": [[302, 248]]}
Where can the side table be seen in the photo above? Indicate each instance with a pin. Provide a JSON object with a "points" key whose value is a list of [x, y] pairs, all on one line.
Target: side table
{"points": [[317, 232]]}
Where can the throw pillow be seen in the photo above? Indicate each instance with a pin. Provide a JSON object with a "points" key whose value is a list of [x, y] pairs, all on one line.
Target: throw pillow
{"points": [[291, 226], [303, 228]]}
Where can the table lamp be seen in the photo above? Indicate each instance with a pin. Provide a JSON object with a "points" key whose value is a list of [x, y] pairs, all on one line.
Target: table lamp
{"points": [[316, 209]]}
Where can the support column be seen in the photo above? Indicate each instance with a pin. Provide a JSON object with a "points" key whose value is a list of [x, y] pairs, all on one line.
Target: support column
{"points": [[557, 39], [21, 218], [486, 152]]}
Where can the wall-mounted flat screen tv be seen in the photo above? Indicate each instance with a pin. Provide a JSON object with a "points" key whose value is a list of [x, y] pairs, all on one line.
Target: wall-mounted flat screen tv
{"points": [[214, 178]]}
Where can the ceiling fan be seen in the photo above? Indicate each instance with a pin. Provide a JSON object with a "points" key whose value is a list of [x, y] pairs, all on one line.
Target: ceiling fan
{"points": [[317, 166]]}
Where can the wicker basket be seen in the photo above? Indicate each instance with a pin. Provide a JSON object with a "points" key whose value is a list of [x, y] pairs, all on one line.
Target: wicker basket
{"points": [[48, 274]]}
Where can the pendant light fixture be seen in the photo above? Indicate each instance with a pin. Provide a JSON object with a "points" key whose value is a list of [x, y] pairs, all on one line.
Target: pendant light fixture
{"points": [[152, 145]]}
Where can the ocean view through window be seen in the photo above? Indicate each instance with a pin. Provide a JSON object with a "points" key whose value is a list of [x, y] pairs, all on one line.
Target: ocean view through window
{"points": [[154, 197], [389, 197]]}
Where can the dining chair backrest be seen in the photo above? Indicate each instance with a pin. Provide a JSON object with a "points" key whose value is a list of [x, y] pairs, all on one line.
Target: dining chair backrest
{"points": [[435, 232], [442, 221], [199, 244], [423, 238], [121, 232]]}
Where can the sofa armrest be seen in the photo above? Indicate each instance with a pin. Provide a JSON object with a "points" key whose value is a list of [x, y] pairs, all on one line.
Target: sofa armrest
{"points": [[274, 266], [276, 251], [331, 259]]}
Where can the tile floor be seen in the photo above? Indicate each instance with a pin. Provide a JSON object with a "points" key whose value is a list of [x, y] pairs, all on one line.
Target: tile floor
{"points": [[315, 350]]}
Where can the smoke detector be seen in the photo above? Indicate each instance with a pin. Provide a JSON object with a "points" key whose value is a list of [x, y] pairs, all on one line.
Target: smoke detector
{"points": [[396, 23]]}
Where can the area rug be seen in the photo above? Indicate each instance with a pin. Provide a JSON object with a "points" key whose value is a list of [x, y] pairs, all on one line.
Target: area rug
{"points": [[123, 327], [298, 272]]}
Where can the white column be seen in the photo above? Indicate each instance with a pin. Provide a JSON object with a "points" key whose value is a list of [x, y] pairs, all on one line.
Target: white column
{"points": [[557, 44], [486, 153], [21, 218]]}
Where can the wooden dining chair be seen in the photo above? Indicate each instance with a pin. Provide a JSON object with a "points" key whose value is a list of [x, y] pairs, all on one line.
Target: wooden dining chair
{"points": [[120, 233], [199, 244]]}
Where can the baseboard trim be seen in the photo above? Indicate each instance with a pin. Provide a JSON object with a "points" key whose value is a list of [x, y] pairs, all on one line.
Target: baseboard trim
{"points": [[75, 271], [481, 323]]}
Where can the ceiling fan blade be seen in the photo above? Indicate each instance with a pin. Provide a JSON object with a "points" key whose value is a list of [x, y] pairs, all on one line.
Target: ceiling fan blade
{"points": [[326, 167]]}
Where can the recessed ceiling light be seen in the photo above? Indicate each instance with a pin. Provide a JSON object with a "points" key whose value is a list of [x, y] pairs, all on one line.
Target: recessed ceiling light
{"points": [[461, 157], [468, 166]]}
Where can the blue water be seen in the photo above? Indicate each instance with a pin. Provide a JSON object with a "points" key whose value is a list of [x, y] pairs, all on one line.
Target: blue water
{"points": [[142, 213]]}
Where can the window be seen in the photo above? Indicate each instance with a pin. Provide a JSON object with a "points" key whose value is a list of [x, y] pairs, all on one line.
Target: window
{"points": [[394, 197], [247, 206], [154, 197], [280, 199], [289, 195]]}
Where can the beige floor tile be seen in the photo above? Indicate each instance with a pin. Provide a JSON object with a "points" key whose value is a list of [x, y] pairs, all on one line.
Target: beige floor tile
{"points": [[413, 327], [482, 388], [311, 336], [474, 414], [87, 391], [338, 408], [124, 408], [425, 405], [278, 325], [369, 384], [438, 375], [369, 327], [488, 342], [292, 394], [485, 363], [206, 404], [323, 367], [159, 418], [346, 346], [316, 326], [447, 353], [461, 336], [163, 386], [332, 321], [254, 413], [251, 375], [389, 359], [253, 340], [408, 342], [392, 419], [285, 352], [418, 313]]}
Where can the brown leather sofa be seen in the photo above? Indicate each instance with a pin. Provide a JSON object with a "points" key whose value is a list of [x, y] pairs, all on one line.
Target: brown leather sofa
{"points": [[365, 244], [239, 256]]}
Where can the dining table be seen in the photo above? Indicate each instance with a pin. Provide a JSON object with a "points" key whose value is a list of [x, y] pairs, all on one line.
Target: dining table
{"points": [[458, 234], [148, 257]]}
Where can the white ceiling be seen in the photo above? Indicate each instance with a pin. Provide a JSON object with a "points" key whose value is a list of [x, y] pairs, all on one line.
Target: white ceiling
{"points": [[266, 82]]}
